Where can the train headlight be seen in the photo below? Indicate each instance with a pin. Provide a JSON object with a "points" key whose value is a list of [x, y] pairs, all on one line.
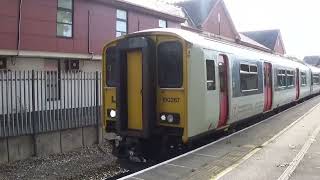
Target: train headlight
{"points": [[113, 113], [170, 118]]}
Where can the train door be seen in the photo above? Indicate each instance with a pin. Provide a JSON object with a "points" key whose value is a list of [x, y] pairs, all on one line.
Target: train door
{"points": [[224, 100], [134, 85], [267, 86], [213, 92], [297, 84], [311, 82], [135, 90]]}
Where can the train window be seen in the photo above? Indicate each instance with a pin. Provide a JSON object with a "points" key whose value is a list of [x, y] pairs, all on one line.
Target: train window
{"points": [[245, 67], [281, 78], [211, 84], [290, 78], [303, 79], [112, 67], [248, 77], [316, 79], [170, 64]]}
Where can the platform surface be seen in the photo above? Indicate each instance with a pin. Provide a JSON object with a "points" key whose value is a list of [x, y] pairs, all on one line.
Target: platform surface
{"points": [[282, 146]]}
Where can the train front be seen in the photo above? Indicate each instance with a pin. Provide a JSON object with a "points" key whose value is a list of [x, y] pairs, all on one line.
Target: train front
{"points": [[145, 92]]}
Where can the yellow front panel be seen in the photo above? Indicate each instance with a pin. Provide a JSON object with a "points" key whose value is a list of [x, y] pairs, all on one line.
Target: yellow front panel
{"points": [[134, 83], [172, 101], [109, 101], [168, 99]]}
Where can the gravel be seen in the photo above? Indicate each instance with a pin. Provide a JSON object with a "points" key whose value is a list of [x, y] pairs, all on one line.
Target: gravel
{"points": [[95, 162]]}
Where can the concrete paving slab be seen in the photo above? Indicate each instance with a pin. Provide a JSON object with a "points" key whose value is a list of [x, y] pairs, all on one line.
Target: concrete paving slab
{"points": [[273, 158], [194, 161], [166, 172], [309, 167]]}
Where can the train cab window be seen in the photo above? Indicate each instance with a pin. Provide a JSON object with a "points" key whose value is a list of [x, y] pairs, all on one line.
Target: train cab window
{"points": [[248, 77], [111, 67], [316, 79], [281, 78], [211, 84], [170, 64], [290, 78], [303, 79]]}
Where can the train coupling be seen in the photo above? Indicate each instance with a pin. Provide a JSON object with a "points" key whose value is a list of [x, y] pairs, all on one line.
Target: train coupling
{"points": [[127, 148], [135, 157]]}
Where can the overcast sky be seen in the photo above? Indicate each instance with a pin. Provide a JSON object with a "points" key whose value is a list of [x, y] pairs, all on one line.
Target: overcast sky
{"points": [[299, 21]]}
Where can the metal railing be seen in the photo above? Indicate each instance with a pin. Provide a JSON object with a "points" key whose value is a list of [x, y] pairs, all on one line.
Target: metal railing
{"points": [[33, 102]]}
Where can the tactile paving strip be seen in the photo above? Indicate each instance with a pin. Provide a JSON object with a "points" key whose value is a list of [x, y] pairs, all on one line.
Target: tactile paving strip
{"points": [[211, 170]]}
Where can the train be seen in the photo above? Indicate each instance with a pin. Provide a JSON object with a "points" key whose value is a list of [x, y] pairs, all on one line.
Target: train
{"points": [[172, 85]]}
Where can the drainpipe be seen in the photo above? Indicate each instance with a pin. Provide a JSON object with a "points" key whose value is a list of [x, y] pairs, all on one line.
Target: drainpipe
{"points": [[19, 29], [89, 35]]}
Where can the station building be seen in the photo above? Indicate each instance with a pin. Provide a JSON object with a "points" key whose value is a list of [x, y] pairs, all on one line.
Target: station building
{"points": [[70, 34], [53, 35]]}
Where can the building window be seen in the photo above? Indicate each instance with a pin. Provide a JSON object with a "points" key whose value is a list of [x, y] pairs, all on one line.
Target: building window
{"points": [[170, 64], [163, 23], [121, 24], [290, 78], [211, 84], [65, 18], [249, 77], [281, 78], [303, 79]]}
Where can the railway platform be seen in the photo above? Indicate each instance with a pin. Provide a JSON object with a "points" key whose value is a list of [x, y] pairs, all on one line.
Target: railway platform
{"points": [[284, 146]]}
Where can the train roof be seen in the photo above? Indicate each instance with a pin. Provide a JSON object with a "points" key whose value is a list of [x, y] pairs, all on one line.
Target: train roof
{"points": [[207, 42], [223, 45], [314, 69]]}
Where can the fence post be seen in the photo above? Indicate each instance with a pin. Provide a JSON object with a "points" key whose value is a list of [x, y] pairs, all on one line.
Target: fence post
{"points": [[33, 103], [97, 107]]}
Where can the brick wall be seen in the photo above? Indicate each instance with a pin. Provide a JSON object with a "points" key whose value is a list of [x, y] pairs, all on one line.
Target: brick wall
{"points": [[212, 23], [38, 25]]}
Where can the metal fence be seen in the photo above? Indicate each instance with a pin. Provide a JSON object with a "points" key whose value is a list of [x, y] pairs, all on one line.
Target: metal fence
{"points": [[33, 102]]}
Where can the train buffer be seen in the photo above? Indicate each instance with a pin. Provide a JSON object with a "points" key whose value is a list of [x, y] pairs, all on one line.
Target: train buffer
{"points": [[284, 146]]}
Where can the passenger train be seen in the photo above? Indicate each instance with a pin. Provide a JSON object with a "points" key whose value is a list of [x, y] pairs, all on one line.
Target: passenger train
{"points": [[169, 84]]}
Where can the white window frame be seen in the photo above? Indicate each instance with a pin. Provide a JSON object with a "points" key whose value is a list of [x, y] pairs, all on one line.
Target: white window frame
{"points": [[163, 21], [303, 78], [282, 73], [66, 10], [122, 20], [318, 76], [249, 72], [214, 75], [290, 73]]}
